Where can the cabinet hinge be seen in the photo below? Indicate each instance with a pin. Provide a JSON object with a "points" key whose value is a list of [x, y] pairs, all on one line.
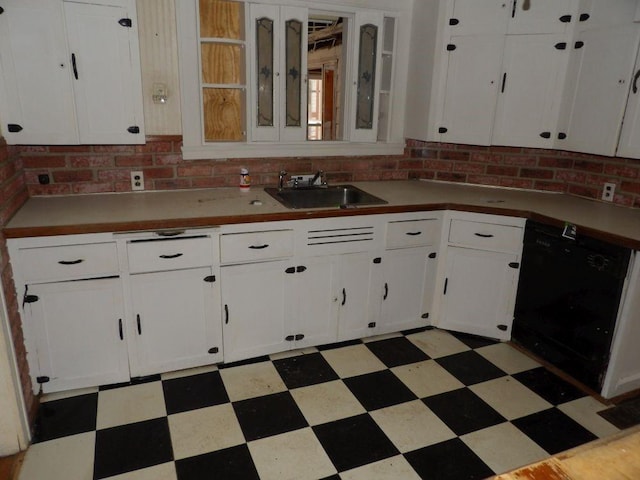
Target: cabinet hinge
{"points": [[502, 327], [545, 134], [372, 325], [1, 10], [290, 338], [301, 268], [125, 22], [377, 260], [584, 17], [290, 270], [210, 278], [578, 44], [561, 45], [433, 255], [26, 298], [213, 350], [565, 18], [453, 21], [425, 315], [43, 379], [562, 136], [133, 129], [443, 130], [298, 337], [14, 127], [451, 47], [514, 265]]}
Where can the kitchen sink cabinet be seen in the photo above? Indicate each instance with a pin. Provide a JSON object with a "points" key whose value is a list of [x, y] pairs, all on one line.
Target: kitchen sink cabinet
{"points": [[480, 274]]}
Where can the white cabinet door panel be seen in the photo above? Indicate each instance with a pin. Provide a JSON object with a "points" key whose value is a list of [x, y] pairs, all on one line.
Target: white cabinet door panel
{"points": [[35, 74], [540, 16], [80, 339], [601, 74], [528, 105], [629, 145], [474, 17], [472, 89]]}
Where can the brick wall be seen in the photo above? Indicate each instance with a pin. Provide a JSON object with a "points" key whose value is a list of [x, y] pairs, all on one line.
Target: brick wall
{"points": [[13, 193], [96, 168]]}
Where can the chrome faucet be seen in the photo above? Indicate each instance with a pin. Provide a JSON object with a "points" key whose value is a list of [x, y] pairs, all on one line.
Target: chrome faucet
{"points": [[281, 176], [319, 174]]}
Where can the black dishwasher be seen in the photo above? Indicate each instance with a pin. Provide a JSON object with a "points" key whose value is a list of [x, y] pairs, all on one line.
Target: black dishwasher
{"points": [[567, 301]]}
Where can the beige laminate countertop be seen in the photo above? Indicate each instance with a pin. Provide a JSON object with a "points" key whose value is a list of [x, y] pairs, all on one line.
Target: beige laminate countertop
{"points": [[209, 207]]}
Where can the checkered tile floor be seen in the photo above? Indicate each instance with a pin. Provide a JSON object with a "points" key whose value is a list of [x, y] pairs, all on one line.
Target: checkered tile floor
{"points": [[421, 405]]}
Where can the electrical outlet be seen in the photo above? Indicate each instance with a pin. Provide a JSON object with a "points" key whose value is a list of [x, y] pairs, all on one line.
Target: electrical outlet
{"points": [[608, 190], [137, 180]]}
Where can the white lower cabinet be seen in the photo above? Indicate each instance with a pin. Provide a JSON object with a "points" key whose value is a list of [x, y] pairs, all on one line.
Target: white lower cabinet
{"points": [[78, 332], [176, 320]]}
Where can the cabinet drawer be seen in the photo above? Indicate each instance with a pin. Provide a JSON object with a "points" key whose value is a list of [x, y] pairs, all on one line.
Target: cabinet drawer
{"points": [[412, 233], [69, 261], [169, 254], [251, 246], [486, 235]]}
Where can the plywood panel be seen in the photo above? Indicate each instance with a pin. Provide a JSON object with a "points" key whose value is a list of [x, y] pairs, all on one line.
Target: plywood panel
{"points": [[222, 63], [221, 19], [223, 117], [159, 63]]}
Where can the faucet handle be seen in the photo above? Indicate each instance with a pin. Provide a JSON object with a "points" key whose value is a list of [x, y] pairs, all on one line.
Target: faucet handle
{"points": [[281, 176]]}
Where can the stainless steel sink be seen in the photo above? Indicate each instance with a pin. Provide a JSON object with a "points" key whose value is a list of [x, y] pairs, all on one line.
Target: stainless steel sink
{"points": [[323, 197]]}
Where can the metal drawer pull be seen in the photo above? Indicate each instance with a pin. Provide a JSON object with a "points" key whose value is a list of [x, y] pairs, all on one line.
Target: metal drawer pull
{"points": [[483, 235], [176, 255], [386, 291], [413, 234], [71, 262], [120, 329], [344, 296], [170, 233], [139, 324], [258, 247]]}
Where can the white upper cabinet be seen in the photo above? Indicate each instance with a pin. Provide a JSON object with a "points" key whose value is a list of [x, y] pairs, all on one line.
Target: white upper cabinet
{"points": [[528, 106], [70, 73], [629, 145], [479, 17]]}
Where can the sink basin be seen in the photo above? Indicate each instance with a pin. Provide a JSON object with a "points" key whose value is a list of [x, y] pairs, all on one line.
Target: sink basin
{"points": [[323, 197]]}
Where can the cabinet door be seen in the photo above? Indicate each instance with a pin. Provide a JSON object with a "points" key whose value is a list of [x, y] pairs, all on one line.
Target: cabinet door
{"points": [[479, 292], [358, 296], [477, 17], [473, 75], [534, 68], [107, 85], [176, 320], [541, 16], [79, 333], [598, 87], [257, 301], [316, 301], [403, 290], [35, 74], [629, 145]]}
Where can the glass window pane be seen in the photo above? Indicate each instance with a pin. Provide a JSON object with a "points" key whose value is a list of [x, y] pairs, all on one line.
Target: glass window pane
{"points": [[264, 48], [366, 76], [293, 41]]}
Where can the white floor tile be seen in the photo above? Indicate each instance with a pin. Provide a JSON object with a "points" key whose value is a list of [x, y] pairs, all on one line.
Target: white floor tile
{"points": [[353, 360], [427, 378], [394, 468], [437, 343], [292, 353], [507, 358], [254, 380], [130, 404], [411, 426], [584, 411], [503, 447], [165, 471], [326, 402], [509, 397], [61, 459], [295, 455], [188, 372], [50, 397], [204, 430], [385, 336]]}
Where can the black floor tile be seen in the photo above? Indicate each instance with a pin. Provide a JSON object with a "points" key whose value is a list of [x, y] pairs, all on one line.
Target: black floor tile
{"points": [[332, 477], [195, 391], [332, 346], [248, 361], [379, 389], [133, 446], [553, 430], [68, 416], [416, 330], [450, 460], [303, 370], [623, 415], [233, 463], [552, 388], [394, 352], [133, 381], [474, 341], [354, 441], [268, 415], [463, 411], [470, 367]]}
